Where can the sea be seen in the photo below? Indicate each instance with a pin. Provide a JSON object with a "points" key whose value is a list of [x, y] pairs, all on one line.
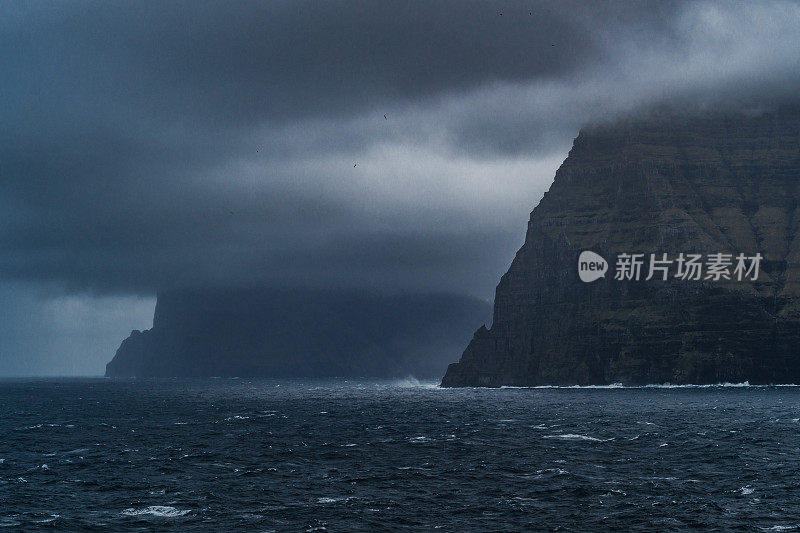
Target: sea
{"points": [[348, 455]]}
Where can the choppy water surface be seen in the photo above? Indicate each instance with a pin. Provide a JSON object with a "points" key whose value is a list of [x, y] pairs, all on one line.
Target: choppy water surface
{"points": [[344, 456]]}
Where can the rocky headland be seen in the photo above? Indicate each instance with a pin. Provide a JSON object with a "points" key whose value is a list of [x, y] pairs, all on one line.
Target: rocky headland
{"points": [[261, 332], [665, 183]]}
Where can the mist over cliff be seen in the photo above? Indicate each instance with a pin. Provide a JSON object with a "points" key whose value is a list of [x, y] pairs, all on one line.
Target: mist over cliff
{"points": [[260, 332]]}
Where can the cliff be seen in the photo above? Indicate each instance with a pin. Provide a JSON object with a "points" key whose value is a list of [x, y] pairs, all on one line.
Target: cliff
{"points": [[257, 332], [661, 184]]}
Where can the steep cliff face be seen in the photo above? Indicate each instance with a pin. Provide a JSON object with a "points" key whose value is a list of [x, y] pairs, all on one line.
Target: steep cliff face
{"points": [[665, 184], [258, 332]]}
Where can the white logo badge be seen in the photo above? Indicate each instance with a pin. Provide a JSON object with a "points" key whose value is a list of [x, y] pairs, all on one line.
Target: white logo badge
{"points": [[591, 266]]}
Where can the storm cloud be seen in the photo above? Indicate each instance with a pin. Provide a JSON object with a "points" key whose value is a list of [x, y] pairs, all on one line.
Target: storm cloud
{"points": [[148, 145]]}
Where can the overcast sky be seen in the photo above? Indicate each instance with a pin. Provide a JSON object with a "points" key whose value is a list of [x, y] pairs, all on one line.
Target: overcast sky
{"points": [[379, 145]]}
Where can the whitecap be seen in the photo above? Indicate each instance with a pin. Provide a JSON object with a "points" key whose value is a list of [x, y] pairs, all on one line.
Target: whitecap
{"points": [[573, 436], [610, 386], [164, 511], [76, 451], [52, 518], [557, 471], [747, 490], [713, 385], [653, 386], [327, 501]]}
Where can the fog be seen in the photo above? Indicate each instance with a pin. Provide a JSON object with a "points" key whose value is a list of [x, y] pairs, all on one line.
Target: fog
{"points": [[383, 147]]}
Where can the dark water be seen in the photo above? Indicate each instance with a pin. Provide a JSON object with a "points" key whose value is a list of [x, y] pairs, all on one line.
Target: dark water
{"points": [[344, 456]]}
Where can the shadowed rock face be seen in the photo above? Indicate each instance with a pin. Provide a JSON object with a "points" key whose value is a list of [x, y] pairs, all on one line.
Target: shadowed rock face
{"points": [[664, 184], [269, 333]]}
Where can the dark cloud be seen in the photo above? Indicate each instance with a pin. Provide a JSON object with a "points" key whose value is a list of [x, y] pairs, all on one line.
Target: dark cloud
{"points": [[255, 60], [147, 145]]}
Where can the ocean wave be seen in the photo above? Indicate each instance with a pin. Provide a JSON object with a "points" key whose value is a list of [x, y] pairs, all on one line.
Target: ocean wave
{"points": [[9, 522], [48, 520], [709, 386], [574, 436], [653, 386], [161, 511], [610, 386], [328, 501]]}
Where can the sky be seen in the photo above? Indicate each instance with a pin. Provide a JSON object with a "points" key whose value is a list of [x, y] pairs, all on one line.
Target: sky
{"points": [[383, 146]]}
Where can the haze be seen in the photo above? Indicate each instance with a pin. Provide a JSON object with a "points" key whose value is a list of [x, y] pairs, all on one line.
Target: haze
{"points": [[391, 146]]}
